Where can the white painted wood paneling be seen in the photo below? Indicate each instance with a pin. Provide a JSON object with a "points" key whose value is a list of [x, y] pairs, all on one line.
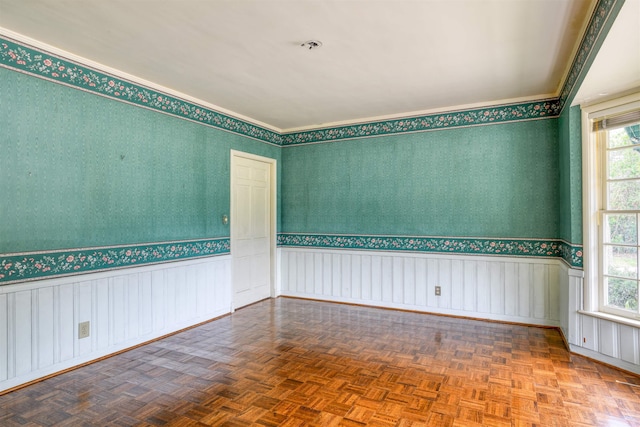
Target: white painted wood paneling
{"points": [[629, 339], [45, 330], [608, 333], [510, 289], [4, 339], [21, 336], [597, 336], [66, 329], [39, 320], [510, 292], [610, 342], [83, 305], [146, 303], [590, 333], [100, 313], [481, 283], [376, 278]]}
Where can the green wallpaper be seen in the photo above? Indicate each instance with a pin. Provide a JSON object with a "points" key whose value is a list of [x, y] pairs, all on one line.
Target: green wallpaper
{"points": [[491, 181], [570, 158], [81, 170]]}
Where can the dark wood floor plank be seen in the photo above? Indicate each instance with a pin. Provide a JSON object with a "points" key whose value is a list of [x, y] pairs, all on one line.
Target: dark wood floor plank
{"points": [[288, 362]]}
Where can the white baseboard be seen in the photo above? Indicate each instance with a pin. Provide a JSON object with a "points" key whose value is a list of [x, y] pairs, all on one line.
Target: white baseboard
{"points": [[612, 361]]}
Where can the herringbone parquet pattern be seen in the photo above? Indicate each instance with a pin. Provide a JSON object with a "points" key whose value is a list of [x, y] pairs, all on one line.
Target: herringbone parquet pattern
{"points": [[288, 362]]}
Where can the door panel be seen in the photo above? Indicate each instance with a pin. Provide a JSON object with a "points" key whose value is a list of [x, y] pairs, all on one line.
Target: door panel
{"points": [[243, 215], [260, 204], [250, 229]]}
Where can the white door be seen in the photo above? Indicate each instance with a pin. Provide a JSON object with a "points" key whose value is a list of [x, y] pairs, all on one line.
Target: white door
{"points": [[250, 228]]}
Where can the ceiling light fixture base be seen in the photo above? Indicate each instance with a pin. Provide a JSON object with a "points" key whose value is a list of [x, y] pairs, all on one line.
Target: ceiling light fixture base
{"points": [[312, 44]]}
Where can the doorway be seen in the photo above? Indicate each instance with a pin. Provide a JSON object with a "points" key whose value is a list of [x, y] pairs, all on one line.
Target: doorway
{"points": [[252, 227]]}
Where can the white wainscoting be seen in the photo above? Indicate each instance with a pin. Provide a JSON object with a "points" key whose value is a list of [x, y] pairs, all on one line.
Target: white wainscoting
{"points": [[39, 320], [511, 289], [606, 340]]}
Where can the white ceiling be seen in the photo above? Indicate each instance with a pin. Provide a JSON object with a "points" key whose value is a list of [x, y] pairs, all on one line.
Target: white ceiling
{"points": [[379, 59]]}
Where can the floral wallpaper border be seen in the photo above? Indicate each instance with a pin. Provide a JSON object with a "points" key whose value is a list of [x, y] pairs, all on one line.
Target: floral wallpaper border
{"points": [[603, 15], [481, 116], [572, 254], [548, 248], [14, 55], [15, 268], [17, 56], [39, 265]]}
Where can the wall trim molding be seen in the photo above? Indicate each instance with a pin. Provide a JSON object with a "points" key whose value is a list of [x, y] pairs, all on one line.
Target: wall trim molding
{"points": [[482, 317], [611, 362], [513, 247], [433, 313], [27, 266]]}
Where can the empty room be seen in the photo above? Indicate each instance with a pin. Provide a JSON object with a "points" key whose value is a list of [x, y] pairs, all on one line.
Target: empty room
{"points": [[320, 212]]}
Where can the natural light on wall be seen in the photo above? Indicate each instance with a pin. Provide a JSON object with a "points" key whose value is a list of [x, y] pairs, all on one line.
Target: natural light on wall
{"points": [[612, 193]]}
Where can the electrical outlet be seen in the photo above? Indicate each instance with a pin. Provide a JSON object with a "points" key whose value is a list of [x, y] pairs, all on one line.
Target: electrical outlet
{"points": [[83, 329], [438, 291]]}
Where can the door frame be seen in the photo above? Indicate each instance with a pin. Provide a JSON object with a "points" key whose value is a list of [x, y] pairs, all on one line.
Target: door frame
{"points": [[273, 201]]}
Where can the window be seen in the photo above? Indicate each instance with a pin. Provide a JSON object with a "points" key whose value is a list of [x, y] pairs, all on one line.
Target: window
{"points": [[614, 229], [620, 218]]}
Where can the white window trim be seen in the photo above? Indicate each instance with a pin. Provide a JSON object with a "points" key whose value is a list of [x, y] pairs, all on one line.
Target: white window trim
{"points": [[591, 186]]}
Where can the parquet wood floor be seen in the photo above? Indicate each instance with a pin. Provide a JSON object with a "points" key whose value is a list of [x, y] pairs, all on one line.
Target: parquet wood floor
{"points": [[289, 362]]}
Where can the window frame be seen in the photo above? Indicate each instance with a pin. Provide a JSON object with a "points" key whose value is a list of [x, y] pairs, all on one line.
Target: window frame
{"points": [[594, 177]]}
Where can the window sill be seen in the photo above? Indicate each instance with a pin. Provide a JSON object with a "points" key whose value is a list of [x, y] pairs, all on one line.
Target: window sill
{"points": [[612, 318]]}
